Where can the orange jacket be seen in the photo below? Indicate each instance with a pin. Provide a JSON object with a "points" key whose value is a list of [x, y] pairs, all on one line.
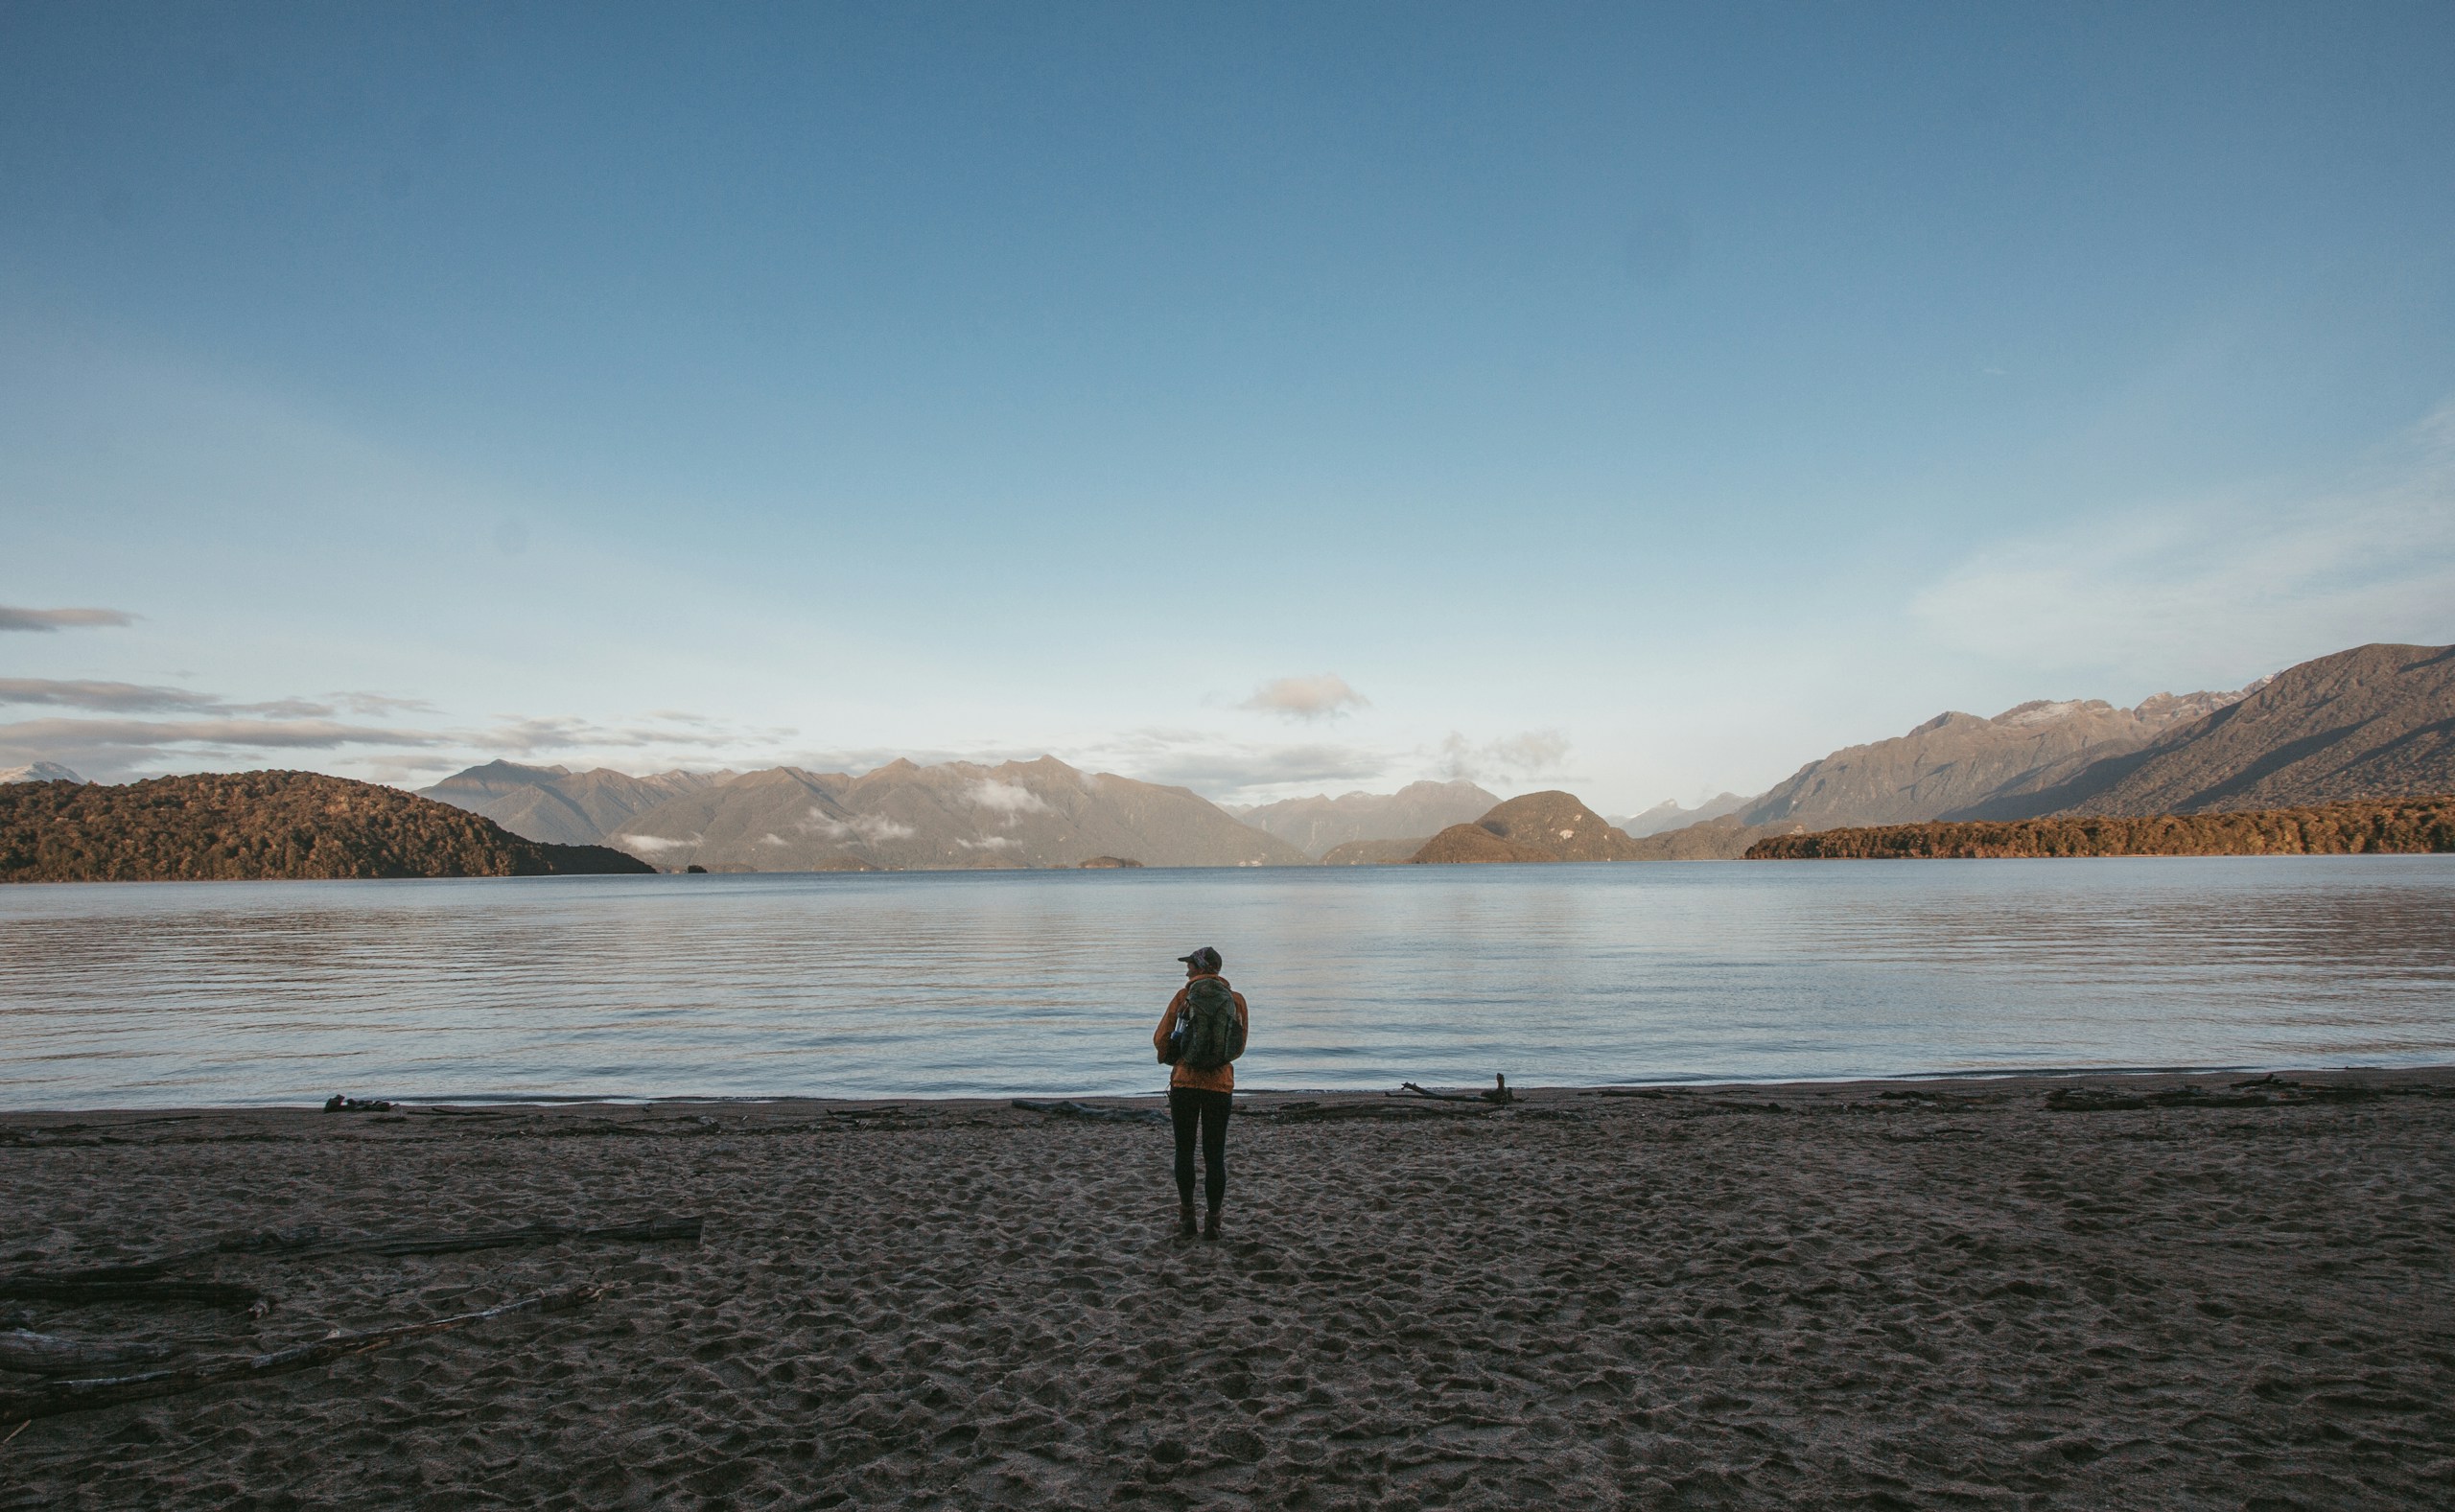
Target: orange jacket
{"points": [[1223, 1080]]}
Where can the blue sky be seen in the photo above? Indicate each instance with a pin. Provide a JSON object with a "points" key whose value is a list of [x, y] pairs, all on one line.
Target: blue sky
{"points": [[1638, 400]]}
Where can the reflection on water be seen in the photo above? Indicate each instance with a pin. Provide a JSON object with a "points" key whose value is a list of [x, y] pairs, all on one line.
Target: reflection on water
{"points": [[939, 984]]}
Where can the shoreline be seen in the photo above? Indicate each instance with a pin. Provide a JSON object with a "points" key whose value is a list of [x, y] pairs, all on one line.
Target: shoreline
{"points": [[1260, 1099], [1271, 869]]}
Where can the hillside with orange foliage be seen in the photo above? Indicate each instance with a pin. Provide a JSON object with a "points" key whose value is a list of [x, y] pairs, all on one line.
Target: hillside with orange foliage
{"points": [[2401, 826], [262, 825]]}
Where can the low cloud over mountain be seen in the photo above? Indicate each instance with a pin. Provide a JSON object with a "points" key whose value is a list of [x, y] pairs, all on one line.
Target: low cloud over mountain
{"points": [[1315, 826], [1507, 760]]}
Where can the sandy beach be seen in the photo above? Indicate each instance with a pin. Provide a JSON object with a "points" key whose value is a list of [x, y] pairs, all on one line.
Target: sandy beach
{"points": [[2085, 1293]]}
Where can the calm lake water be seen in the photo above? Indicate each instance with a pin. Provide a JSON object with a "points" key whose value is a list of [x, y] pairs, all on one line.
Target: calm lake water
{"points": [[130, 995]]}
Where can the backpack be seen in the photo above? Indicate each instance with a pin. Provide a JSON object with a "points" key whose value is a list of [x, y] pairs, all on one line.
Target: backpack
{"points": [[1207, 1034]]}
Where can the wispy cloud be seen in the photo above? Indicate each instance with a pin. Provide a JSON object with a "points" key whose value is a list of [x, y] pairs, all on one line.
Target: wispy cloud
{"points": [[130, 698], [1220, 767], [530, 735], [2216, 590], [1509, 760], [110, 744], [380, 704], [1324, 695], [115, 697], [47, 621], [219, 731]]}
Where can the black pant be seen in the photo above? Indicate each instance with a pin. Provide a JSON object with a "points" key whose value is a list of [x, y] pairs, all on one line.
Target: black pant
{"points": [[1189, 1106]]}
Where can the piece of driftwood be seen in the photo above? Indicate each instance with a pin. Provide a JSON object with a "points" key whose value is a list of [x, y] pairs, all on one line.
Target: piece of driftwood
{"points": [[1407, 1109], [33, 1354], [654, 1231], [314, 1243], [2108, 1100], [1105, 1115], [1499, 1093], [55, 1289], [78, 1396], [134, 1270]]}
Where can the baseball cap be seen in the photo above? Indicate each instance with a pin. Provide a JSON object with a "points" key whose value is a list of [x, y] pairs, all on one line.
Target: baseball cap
{"points": [[1204, 959]]}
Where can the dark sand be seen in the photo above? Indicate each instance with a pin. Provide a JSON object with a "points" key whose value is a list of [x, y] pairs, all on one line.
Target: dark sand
{"points": [[1887, 1295]]}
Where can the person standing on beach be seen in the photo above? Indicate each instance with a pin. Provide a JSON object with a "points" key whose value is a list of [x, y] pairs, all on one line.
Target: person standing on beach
{"points": [[1201, 1035]]}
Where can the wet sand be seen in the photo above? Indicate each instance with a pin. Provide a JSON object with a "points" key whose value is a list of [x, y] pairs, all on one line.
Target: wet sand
{"points": [[1943, 1294]]}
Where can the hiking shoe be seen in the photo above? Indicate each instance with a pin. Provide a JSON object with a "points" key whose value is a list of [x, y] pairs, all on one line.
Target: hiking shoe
{"points": [[1209, 1229], [1184, 1222]]}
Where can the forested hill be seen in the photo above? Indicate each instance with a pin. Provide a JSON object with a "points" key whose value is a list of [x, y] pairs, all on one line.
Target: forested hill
{"points": [[231, 827], [2391, 824]]}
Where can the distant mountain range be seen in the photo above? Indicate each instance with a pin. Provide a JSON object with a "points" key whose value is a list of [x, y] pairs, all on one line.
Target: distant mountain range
{"points": [[1317, 826], [1955, 760], [558, 805], [40, 772], [2370, 723], [1670, 814], [900, 816], [2342, 752], [2375, 722]]}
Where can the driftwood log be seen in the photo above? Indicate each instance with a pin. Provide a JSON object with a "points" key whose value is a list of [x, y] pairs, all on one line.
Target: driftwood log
{"points": [[141, 1280], [314, 1247], [78, 1396], [1499, 1093], [1105, 1115], [33, 1354], [1405, 1109], [73, 1288]]}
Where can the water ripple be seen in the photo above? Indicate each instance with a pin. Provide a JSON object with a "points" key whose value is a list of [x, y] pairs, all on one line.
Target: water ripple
{"points": [[995, 984]]}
